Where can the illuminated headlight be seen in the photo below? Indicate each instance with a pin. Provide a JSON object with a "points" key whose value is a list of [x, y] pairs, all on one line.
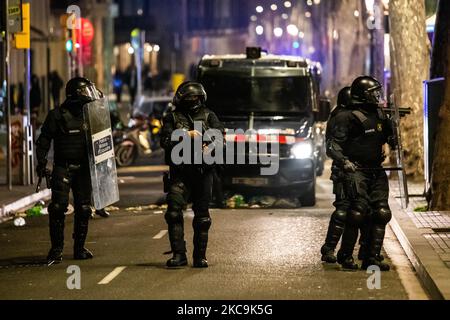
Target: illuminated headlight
{"points": [[302, 150]]}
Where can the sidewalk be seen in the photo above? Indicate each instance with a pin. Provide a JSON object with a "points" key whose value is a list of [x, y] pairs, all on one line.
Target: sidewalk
{"points": [[19, 198], [425, 237]]}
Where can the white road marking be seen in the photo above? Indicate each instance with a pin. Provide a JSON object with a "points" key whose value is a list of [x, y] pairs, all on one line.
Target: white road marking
{"points": [[143, 169], [404, 267], [160, 235], [110, 277]]}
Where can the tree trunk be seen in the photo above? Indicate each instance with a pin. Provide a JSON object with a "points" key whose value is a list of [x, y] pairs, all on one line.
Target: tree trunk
{"points": [[440, 56], [440, 182], [410, 67]]}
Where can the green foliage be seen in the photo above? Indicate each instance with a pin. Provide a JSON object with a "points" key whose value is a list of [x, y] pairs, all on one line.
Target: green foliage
{"points": [[421, 209]]}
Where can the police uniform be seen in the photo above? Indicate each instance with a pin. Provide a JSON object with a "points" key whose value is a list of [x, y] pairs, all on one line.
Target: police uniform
{"points": [[66, 128], [356, 145], [341, 203], [188, 182]]}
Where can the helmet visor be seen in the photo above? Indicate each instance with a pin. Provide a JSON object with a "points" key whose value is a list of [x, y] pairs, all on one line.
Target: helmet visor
{"points": [[90, 92], [376, 96]]}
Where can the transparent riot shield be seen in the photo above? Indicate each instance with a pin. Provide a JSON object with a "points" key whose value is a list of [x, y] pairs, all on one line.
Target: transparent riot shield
{"points": [[102, 163]]}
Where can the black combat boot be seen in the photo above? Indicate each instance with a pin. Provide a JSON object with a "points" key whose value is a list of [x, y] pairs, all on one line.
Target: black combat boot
{"points": [[102, 213], [346, 261], [79, 237], [335, 231], [178, 245], [201, 229], [375, 261], [374, 257], [328, 255], [57, 240]]}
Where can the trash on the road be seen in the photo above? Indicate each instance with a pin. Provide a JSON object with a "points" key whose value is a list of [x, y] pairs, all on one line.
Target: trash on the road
{"points": [[35, 211], [262, 201], [134, 209], [236, 201], [70, 210], [112, 208], [19, 222], [287, 203]]}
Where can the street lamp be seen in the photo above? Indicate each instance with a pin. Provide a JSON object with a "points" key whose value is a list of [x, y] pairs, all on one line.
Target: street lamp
{"points": [[259, 9], [292, 29], [278, 32], [370, 7], [259, 30]]}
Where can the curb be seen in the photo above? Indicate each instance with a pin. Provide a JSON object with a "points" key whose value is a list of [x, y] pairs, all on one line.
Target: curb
{"points": [[5, 210], [420, 254]]}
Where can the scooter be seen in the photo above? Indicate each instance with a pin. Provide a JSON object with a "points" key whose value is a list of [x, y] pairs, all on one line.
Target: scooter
{"points": [[132, 142]]}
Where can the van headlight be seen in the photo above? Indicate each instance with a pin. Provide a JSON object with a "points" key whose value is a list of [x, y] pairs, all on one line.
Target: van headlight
{"points": [[302, 150]]}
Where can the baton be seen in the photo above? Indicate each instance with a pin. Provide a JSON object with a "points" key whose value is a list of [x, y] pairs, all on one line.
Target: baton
{"points": [[380, 169], [38, 187]]}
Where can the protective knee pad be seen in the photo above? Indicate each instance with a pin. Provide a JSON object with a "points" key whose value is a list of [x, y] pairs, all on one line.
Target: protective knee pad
{"points": [[57, 210], [175, 201], [84, 212], [382, 216], [174, 217], [339, 216], [202, 224], [355, 218]]}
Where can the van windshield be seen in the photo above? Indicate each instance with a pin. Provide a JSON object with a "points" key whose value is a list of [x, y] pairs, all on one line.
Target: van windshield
{"points": [[232, 95]]}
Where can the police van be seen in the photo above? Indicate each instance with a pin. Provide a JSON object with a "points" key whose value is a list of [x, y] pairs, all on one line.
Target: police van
{"points": [[272, 96]]}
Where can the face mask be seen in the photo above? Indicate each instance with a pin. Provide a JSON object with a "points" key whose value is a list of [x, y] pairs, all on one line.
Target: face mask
{"points": [[191, 106]]}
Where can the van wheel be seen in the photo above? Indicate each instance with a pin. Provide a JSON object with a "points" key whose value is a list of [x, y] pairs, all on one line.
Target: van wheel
{"points": [[309, 198]]}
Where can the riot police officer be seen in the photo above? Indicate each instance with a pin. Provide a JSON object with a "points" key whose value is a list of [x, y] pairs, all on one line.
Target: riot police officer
{"points": [[66, 128], [356, 145], [188, 181], [342, 203]]}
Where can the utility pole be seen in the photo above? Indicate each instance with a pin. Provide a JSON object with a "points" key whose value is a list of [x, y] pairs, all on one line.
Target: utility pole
{"points": [[8, 100]]}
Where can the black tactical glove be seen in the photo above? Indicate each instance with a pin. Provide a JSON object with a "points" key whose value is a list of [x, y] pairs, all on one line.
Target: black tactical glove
{"points": [[393, 142], [41, 170], [349, 166]]}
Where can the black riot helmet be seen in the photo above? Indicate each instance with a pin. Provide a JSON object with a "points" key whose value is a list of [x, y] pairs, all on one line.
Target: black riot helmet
{"points": [[367, 90], [344, 97], [190, 96], [83, 90]]}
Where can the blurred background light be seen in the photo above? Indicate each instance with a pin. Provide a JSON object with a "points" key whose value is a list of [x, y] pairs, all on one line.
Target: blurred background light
{"points": [[259, 30], [292, 30], [278, 32]]}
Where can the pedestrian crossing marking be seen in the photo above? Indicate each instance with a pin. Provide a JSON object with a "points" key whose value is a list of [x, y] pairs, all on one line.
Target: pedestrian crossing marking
{"points": [[160, 235], [110, 277]]}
